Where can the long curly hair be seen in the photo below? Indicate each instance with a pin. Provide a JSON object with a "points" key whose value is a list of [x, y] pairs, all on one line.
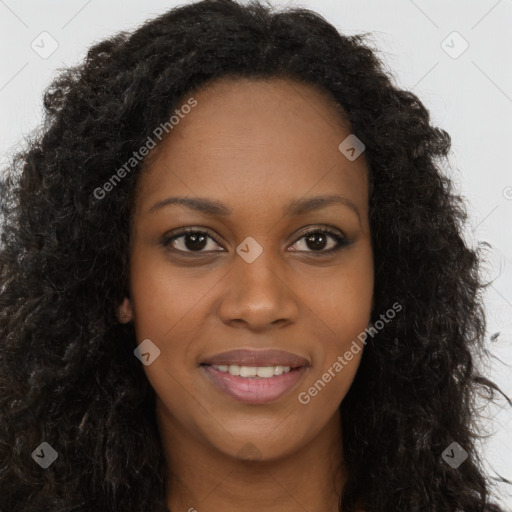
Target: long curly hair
{"points": [[68, 375]]}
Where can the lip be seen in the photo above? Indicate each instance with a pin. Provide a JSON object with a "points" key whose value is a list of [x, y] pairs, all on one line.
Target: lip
{"points": [[262, 357], [253, 390]]}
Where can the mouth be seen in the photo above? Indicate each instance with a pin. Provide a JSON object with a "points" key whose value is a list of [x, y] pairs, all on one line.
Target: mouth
{"points": [[254, 384], [261, 358], [253, 372]]}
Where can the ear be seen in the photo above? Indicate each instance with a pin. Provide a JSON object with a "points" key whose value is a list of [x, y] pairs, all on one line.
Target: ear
{"points": [[125, 311]]}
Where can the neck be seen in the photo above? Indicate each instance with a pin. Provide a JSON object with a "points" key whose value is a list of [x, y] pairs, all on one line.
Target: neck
{"points": [[204, 479]]}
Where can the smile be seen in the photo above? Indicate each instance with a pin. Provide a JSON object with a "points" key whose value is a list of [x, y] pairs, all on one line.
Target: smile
{"points": [[263, 372], [254, 384]]}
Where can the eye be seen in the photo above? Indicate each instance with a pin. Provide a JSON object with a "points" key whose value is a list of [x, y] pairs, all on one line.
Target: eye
{"points": [[317, 239], [192, 240]]}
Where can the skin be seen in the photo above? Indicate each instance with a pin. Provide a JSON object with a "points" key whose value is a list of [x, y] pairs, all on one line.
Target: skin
{"points": [[254, 145]]}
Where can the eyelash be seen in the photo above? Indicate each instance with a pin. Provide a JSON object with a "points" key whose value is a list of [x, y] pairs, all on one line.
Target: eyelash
{"points": [[340, 240]]}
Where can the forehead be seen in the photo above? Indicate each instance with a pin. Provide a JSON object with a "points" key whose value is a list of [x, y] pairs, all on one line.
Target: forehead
{"points": [[250, 138]]}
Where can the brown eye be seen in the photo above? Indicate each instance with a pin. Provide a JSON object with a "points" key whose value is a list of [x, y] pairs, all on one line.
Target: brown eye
{"points": [[318, 239], [190, 241]]}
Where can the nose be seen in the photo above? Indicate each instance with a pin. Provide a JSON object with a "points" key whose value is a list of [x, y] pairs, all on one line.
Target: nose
{"points": [[259, 295]]}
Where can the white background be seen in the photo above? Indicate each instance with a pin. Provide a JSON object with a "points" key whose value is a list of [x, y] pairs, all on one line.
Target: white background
{"points": [[469, 96]]}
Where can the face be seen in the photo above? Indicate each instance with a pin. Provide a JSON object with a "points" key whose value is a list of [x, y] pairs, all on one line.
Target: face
{"points": [[257, 273]]}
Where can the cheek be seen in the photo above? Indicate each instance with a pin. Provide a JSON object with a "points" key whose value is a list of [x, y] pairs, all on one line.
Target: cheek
{"points": [[166, 303], [166, 298], [342, 311], [336, 357], [344, 300]]}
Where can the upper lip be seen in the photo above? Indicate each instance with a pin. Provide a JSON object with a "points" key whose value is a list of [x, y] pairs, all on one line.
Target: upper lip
{"points": [[265, 357]]}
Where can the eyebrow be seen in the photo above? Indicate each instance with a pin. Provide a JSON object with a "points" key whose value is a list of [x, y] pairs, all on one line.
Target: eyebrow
{"points": [[216, 208]]}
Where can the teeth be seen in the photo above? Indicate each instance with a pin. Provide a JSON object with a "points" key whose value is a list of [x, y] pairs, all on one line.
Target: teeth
{"points": [[263, 372]]}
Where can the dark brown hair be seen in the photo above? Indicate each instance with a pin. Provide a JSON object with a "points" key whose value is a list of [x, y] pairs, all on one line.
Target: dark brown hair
{"points": [[68, 375]]}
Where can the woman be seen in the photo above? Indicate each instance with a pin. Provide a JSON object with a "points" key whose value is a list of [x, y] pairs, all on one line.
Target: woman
{"points": [[233, 277]]}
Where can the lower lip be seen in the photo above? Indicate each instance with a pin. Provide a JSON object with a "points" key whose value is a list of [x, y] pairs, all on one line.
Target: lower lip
{"points": [[253, 390]]}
